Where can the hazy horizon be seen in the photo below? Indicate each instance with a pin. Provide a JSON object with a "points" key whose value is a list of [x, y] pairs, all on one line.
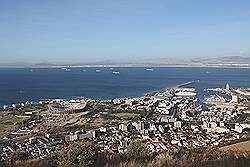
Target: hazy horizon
{"points": [[63, 31]]}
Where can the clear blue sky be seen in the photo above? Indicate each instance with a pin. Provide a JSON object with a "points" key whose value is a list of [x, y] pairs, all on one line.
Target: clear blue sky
{"points": [[121, 30]]}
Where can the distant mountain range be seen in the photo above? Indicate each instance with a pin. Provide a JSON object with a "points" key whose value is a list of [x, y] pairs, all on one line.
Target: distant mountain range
{"points": [[225, 61], [205, 61]]}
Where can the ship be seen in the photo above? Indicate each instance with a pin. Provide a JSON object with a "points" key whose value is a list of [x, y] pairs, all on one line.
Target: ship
{"points": [[149, 69], [67, 69], [97, 70], [116, 72]]}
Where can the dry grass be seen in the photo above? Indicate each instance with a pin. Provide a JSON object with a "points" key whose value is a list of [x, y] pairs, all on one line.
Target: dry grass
{"points": [[238, 147]]}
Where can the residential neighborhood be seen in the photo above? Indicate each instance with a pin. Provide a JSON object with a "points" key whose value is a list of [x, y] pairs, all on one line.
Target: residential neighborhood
{"points": [[164, 120]]}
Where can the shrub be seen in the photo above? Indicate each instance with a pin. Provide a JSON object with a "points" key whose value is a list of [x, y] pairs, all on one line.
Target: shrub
{"points": [[80, 154], [138, 151]]}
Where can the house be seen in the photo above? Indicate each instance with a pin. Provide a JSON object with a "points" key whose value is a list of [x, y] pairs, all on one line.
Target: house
{"points": [[177, 124]]}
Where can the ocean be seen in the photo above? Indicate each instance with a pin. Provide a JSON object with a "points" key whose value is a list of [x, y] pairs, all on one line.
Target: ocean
{"points": [[34, 84]]}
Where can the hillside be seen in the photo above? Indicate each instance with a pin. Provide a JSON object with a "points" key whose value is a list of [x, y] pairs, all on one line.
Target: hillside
{"points": [[238, 147]]}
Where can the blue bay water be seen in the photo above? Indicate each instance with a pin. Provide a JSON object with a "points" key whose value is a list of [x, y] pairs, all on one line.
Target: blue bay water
{"points": [[23, 84]]}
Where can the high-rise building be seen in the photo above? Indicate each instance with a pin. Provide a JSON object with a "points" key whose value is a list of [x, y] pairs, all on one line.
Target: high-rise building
{"points": [[235, 99], [227, 87]]}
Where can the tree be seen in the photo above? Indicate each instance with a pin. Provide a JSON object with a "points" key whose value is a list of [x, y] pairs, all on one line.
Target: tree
{"points": [[3, 164], [50, 161], [80, 154], [20, 156], [138, 151], [88, 156]]}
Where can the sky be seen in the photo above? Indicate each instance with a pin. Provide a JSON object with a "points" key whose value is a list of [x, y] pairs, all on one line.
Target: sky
{"points": [[71, 31]]}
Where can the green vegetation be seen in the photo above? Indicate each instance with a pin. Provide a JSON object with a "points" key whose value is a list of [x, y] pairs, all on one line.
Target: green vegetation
{"points": [[80, 154], [33, 108], [8, 122], [19, 156], [87, 154], [127, 116], [247, 119], [138, 151]]}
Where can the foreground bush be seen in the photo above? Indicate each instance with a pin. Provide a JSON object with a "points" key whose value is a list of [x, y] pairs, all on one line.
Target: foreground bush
{"points": [[138, 151], [87, 154], [80, 154]]}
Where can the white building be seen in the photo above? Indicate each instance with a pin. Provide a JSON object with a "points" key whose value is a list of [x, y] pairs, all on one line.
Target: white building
{"points": [[177, 124], [238, 128], [235, 99], [139, 125], [212, 125], [123, 127]]}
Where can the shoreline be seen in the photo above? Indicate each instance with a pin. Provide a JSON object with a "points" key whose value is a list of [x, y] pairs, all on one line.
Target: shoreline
{"points": [[124, 66], [171, 87], [144, 94]]}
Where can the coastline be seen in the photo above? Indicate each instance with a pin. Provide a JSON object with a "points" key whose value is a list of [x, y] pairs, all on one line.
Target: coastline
{"points": [[131, 66], [76, 97], [161, 79], [170, 87]]}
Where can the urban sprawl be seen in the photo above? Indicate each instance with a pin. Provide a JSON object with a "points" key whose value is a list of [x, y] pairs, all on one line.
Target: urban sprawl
{"points": [[164, 120]]}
